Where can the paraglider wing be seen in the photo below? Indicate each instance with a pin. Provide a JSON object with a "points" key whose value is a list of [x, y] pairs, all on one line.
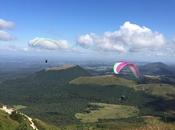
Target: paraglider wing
{"points": [[134, 70], [120, 65]]}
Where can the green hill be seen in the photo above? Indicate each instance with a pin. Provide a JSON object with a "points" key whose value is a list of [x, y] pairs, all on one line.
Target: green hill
{"points": [[156, 68], [66, 72], [106, 80]]}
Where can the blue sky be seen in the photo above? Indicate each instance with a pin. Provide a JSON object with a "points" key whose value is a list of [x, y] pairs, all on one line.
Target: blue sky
{"points": [[74, 21]]}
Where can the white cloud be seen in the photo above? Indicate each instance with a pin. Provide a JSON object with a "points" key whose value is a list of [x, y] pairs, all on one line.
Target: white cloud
{"points": [[6, 24], [100, 43], [48, 44], [86, 40], [5, 36], [130, 37]]}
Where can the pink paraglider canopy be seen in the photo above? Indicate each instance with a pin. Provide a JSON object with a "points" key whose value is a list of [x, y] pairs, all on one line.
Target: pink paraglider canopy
{"points": [[120, 65]]}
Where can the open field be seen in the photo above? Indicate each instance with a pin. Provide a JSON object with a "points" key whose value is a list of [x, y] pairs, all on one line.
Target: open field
{"points": [[18, 107], [107, 111]]}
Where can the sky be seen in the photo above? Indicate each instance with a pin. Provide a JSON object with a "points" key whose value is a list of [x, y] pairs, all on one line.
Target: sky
{"points": [[141, 30]]}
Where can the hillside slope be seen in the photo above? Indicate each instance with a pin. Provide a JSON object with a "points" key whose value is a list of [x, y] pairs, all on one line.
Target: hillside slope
{"points": [[65, 72], [156, 68], [105, 80], [6, 123]]}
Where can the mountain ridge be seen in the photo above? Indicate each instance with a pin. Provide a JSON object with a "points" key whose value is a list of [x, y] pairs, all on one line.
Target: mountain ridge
{"points": [[156, 68]]}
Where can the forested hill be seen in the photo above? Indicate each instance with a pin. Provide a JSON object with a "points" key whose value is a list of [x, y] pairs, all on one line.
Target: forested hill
{"points": [[65, 72], [156, 68]]}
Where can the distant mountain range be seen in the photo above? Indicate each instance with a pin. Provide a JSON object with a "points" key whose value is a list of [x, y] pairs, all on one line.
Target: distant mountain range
{"points": [[157, 68]]}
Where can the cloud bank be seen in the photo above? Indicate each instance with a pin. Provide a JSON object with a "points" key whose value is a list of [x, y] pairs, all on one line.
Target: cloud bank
{"points": [[130, 37]]}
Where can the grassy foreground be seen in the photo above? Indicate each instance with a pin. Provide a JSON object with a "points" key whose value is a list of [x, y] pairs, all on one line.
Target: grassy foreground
{"points": [[13, 122]]}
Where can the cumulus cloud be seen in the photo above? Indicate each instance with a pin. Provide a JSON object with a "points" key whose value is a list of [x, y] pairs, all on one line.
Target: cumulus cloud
{"points": [[130, 37], [48, 44], [86, 40], [6, 24], [5, 36], [101, 43]]}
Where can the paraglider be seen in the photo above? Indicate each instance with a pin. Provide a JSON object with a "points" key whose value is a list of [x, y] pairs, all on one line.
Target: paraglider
{"points": [[120, 65], [45, 61]]}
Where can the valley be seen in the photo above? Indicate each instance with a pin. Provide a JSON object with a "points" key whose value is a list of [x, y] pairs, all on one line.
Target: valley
{"points": [[73, 98]]}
